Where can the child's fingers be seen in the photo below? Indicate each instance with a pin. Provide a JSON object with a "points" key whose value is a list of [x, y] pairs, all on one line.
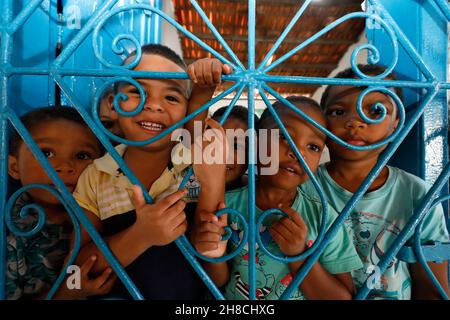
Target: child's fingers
{"points": [[138, 197], [178, 219], [205, 247], [223, 220], [191, 73], [217, 71], [221, 206], [291, 226], [277, 236], [209, 237], [200, 73], [281, 229], [171, 199], [208, 227], [213, 124], [108, 285], [180, 229], [87, 265], [101, 279], [227, 69], [294, 215], [207, 216], [175, 210], [208, 73]]}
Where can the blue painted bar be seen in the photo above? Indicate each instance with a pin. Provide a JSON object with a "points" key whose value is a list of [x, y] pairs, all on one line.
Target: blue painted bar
{"points": [[251, 87], [251, 191], [432, 252], [418, 249], [6, 52], [23, 16]]}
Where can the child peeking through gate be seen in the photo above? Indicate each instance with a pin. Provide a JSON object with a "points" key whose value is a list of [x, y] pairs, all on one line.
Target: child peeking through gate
{"points": [[330, 277], [391, 199], [34, 263], [236, 124], [141, 235]]}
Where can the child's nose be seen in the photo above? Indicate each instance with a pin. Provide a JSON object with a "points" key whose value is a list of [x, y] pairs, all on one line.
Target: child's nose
{"points": [[355, 122], [153, 105], [65, 167], [292, 156], [65, 170]]}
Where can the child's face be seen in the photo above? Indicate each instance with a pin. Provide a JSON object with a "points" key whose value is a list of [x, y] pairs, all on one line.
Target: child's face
{"points": [[236, 169], [343, 121], [108, 117], [165, 105], [309, 142], [68, 146]]}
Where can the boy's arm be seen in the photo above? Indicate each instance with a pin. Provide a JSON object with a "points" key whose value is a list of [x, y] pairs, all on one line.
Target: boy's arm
{"points": [[126, 245], [206, 76], [218, 272], [422, 287], [156, 225], [319, 284], [212, 196], [206, 238]]}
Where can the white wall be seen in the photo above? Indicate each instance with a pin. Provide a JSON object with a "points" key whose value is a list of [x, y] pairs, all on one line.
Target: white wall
{"points": [[170, 36]]}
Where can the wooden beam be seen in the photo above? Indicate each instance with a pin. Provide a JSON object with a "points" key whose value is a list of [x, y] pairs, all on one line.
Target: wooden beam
{"points": [[296, 40], [339, 3], [293, 67]]}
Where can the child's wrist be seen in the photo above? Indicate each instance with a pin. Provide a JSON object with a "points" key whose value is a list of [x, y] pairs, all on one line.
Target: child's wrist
{"points": [[141, 235]]}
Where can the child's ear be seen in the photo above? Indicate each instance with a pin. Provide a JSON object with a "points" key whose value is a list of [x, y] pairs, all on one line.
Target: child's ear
{"points": [[397, 119], [13, 167], [110, 101]]}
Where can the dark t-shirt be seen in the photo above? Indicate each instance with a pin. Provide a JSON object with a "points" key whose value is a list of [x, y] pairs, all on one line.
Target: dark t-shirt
{"points": [[161, 272]]}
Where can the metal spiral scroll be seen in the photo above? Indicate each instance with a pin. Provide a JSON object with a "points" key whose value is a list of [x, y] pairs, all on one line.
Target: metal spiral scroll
{"points": [[398, 104], [24, 212], [418, 249], [118, 49]]}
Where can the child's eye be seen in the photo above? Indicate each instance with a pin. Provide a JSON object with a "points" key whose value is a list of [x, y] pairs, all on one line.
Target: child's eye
{"points": [[83, 156], [172, 99], [375, 111], [314, 147], [107, 124], [48, 153], [133, 91], [335, 112]]}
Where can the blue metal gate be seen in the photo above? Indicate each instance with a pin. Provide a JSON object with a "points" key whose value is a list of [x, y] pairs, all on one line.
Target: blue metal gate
{"points": [[421, 59]]}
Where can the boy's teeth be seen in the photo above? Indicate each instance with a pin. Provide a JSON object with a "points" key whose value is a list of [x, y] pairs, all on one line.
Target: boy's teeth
{"points": [[290, 169], [151, 125]]}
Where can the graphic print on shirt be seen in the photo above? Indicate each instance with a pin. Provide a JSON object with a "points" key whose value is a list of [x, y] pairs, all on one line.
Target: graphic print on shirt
{"points": [[372, 234]]}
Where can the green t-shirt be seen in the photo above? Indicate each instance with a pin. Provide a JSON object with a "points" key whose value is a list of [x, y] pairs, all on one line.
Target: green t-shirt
{"points": [[272, 276], [376, 221]]}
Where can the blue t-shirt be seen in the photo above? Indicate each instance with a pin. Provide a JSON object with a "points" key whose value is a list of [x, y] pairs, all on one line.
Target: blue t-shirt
{"points": [[376, 221]]}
